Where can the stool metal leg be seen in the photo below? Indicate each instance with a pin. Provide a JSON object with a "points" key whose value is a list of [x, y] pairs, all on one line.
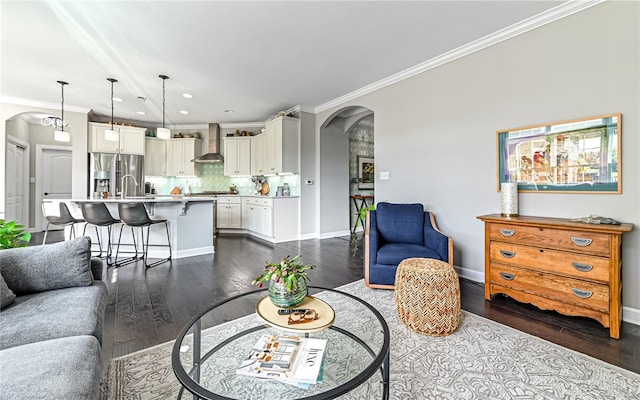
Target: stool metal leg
{"points": [[146, 249]]}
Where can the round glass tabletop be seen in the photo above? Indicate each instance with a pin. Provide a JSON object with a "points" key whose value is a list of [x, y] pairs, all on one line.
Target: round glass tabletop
{"points": [[209, 350]]}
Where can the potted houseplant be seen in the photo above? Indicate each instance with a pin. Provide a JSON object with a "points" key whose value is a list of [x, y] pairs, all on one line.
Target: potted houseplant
{"points": [[287, 281], [13, 235]]}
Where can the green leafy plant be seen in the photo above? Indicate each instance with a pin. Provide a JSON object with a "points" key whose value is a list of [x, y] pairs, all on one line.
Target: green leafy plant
{"points": [[287, 271], [13, 235]]}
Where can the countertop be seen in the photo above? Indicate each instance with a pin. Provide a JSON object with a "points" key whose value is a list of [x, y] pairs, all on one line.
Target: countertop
{"points": [[149, 199]]}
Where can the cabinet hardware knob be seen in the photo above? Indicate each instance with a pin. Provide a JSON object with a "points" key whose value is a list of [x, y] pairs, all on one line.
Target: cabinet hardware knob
{"points": [[507, 232], [582, 242], [507, 254], [583, 294], [582, 267], [508, 277]]}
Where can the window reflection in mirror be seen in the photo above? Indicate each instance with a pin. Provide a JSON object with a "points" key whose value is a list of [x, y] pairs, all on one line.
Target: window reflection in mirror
{"points": [[569, 156]]}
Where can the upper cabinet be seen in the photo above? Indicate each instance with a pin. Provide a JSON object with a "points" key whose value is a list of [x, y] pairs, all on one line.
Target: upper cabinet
{"points": [[237, 156], [155, 157], [282, 145], [132, 139], [180, 152], [258, 154]]}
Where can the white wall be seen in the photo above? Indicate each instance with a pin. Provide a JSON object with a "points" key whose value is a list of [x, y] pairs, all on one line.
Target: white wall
{"points": [[436, 132]]}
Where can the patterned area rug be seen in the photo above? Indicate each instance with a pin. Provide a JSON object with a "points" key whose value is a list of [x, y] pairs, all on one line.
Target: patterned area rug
{"points": [[481, 360]]}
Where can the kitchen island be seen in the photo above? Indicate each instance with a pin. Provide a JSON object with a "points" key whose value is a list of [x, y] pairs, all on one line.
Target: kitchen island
{"points": [[190, 224]]}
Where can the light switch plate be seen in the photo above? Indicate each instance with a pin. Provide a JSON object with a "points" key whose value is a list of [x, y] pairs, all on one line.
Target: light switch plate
{"points": [[384, 175]]}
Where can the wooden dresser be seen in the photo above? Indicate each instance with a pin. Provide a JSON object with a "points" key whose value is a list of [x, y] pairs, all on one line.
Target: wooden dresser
{"points": [[573, 268]]}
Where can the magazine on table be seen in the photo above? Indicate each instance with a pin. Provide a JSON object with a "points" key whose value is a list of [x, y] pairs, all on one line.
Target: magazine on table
{"points": [[289, 359]]}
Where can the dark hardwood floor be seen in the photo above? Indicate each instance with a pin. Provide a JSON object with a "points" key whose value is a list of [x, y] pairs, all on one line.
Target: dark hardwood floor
{"points": [[149, 307]]}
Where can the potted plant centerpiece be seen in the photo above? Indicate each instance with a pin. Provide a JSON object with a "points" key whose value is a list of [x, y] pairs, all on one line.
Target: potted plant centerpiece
{"points": [[287, 281]]}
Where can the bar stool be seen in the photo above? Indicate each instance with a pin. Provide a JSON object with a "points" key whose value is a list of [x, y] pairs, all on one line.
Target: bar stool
{"points": [[135, 215], [63, 218], [98, 215]]}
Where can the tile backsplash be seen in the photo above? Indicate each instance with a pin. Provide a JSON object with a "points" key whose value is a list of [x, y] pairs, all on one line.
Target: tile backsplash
{"points": [[213, 179]]}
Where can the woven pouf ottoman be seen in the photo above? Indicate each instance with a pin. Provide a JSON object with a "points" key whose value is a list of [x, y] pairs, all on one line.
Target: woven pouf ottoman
{"points": [[428, 296]]}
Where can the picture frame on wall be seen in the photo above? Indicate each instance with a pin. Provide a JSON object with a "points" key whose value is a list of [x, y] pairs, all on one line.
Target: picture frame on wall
{"points": [[366, 172], [574, 156]]}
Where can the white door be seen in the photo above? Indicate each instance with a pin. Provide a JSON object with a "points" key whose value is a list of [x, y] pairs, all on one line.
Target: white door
{"points": [[16, 197], [54, 176]]}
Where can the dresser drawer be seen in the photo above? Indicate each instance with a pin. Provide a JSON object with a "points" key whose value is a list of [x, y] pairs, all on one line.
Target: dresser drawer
{"points": [[586, 242], [567, 290], [576, 265]]}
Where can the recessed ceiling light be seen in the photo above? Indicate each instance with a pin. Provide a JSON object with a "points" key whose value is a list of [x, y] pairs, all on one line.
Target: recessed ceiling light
{"points": [[141, 112], [228, 111], [118, 99], [187, 95], [184, 112]]}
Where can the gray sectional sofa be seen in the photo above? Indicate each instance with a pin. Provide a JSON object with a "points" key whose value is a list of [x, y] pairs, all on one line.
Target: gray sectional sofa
{"points": [[53, 300]]}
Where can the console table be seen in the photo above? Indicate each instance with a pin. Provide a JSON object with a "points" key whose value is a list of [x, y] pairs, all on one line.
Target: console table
{"points": [[556, 264]]}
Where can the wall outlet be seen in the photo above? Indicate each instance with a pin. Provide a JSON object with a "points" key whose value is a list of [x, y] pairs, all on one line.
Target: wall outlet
{"points": [[384, 175]]}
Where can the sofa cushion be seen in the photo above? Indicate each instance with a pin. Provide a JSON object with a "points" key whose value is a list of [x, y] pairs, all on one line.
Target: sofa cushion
{"points": [[6, 295], [53, 266], [393, 253], [66, 368], [54, 314], [400, 223]]}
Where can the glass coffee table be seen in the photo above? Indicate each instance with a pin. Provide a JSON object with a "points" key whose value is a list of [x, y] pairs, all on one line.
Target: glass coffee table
{"points": [[209, 350]]}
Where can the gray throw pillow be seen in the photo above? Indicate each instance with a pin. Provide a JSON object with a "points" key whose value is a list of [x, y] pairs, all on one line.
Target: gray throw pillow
{"points": [[6, 295], [53, 266]]}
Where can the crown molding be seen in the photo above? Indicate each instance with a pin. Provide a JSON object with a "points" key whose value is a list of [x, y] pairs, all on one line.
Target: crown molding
{"points": [[42, 104], [241, 125], [561, 11]]}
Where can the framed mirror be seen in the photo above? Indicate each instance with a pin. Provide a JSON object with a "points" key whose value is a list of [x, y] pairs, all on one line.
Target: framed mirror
{"points": [[569, 156]]}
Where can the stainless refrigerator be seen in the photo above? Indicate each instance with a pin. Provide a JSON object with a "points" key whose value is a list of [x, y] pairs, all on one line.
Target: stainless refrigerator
{"points": [[106, 171]]}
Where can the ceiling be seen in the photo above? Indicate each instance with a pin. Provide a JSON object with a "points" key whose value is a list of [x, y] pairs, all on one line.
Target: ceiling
{"points": [[255, 58]]}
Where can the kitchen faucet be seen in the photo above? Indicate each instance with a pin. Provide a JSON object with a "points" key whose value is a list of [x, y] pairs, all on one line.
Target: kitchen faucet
{"points": [[122, 184]]}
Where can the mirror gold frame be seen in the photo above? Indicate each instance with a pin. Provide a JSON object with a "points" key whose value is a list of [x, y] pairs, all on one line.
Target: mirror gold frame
{"points": [[574, 156]]}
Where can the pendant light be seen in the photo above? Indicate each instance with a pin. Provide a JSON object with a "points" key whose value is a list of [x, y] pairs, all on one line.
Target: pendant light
{"points": [[111, 134], [61, 135], [163, 133]]}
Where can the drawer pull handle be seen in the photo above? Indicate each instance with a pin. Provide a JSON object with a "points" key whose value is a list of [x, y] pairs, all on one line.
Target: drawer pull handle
{"points": [[507, 232], [582, 267], [507, 254], [582, 242], [507, 277], [583, 294]]}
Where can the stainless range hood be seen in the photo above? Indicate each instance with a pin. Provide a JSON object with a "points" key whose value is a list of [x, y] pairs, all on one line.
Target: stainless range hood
{"points": [[213, 154]]}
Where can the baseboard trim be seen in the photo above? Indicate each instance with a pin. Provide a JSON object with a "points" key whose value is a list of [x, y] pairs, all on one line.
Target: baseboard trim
{"points": [[469, 274], [327, 235], [631, 315]]}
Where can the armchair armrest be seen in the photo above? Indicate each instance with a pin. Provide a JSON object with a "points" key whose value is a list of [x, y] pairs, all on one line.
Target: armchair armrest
{"points": [[436, 240]]}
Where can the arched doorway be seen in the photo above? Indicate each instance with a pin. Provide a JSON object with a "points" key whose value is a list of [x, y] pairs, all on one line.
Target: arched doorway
{"points": [[346, 140], [33, 158]]}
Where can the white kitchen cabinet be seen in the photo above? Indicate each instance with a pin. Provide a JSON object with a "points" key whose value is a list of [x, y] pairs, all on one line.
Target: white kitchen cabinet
{"points": [[282, 145], [131, 139], [229, 212], [257, 215], [155, 157], [258, 154], [180, 152], [237, 156]]}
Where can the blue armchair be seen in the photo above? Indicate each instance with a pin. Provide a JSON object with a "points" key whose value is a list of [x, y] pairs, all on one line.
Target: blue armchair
{"points": [[394, 232]]}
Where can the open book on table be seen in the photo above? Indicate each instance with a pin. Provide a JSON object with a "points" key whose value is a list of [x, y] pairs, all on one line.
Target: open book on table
{"points": [[290, 359]]}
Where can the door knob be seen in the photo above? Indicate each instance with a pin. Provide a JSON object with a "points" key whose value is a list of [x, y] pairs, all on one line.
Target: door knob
{"points": [[46, 194]]}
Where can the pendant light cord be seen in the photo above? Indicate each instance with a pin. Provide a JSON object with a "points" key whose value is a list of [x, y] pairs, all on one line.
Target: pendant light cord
{"points": [[164, 79], [62, 83], [112, 81]]}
